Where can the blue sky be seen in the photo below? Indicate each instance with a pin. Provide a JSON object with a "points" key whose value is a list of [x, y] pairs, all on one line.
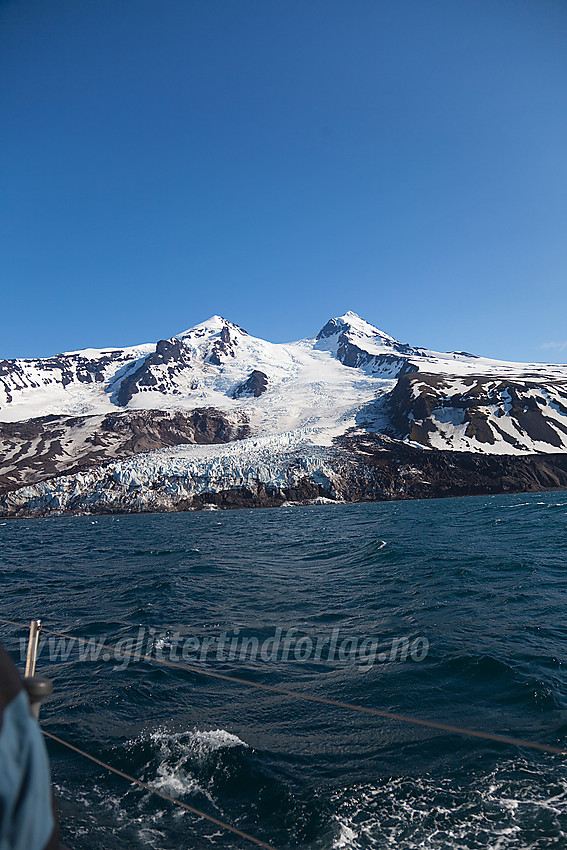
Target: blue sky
{"points": [[281, 162]]}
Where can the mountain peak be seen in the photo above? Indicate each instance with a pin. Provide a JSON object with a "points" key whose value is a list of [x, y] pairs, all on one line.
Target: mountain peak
{"points": [[353, 325], [349, 316], [214, 325]]}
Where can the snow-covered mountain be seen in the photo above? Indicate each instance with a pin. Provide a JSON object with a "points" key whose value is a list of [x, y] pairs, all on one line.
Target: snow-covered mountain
{"points": [[333, 381], [214, 383], [215, 364]]}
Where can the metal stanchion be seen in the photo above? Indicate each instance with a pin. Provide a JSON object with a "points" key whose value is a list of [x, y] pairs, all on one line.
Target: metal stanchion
{"points": [[31, 660], [37, 687]]}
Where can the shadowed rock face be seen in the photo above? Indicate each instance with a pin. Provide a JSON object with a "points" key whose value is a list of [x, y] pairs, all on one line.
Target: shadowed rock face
{"points": [[254, 386], [387, 364], [42, 448], [169, 359]]}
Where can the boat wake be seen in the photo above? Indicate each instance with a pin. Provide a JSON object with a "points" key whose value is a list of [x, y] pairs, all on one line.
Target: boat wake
{"points": [[514, 806]]}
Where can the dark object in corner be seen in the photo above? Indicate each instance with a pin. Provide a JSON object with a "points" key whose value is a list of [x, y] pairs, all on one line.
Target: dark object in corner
{"points": [[27, 811]]}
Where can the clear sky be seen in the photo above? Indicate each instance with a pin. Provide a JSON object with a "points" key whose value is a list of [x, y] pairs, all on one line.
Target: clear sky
{"points": [[282, 161]]}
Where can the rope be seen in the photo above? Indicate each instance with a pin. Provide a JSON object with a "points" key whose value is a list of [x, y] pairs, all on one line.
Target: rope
{"points": [[159, 793], [376, 712]]}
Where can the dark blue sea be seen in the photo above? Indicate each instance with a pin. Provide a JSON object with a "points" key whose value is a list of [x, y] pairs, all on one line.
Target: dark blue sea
{"points": [[450, 610]]}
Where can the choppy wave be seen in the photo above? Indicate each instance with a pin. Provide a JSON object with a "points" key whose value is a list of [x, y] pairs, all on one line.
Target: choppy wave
{"points": [[178, 757]]}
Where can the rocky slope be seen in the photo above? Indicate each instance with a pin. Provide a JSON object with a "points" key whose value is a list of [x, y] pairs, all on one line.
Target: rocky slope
{"points": [[490, 414], [350, 414], [43, 448]]}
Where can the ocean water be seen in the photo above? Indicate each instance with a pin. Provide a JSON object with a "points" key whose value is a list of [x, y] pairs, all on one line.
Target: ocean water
{"points": [[451, 610]]}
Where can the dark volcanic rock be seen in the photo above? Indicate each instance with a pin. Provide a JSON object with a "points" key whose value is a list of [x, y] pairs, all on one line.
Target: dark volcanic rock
{"points": [[405, 472], [255, 385]]}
